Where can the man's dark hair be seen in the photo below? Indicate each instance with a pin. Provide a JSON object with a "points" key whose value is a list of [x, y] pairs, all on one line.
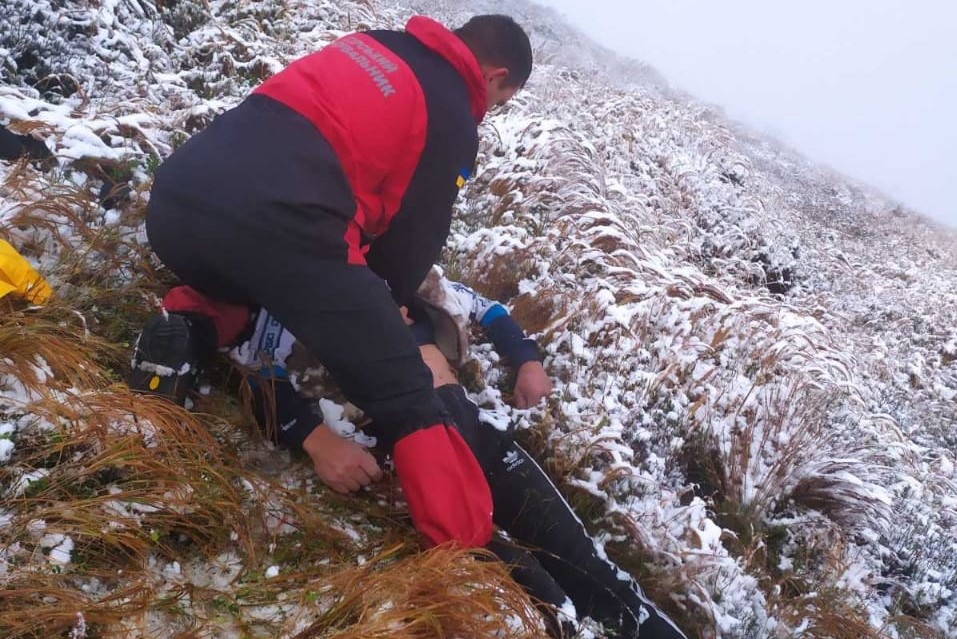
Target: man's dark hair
{"points": [[499, 41]]}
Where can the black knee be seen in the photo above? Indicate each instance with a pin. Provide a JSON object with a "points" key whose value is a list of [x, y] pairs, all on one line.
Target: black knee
{"points": [[484, 440]]}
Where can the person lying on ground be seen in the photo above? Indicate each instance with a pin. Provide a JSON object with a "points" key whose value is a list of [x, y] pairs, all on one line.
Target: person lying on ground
{"points": [[545, 545]]}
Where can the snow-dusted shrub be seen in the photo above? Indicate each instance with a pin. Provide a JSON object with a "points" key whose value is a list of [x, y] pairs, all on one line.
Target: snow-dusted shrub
{"points": [[755, 358]]}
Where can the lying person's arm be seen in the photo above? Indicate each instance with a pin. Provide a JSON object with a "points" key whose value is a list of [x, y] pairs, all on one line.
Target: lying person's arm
{"points": [[288, 419], [516, 349]]}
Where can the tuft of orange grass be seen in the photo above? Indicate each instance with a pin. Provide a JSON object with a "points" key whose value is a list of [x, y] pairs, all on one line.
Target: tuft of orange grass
{"points": [[134, 479], [36, 605], [104, 271], [32, 337], [827, 618], [126, 472], [443, 592]]}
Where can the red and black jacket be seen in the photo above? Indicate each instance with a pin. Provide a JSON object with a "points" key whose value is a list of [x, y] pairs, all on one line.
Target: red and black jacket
{"points": [[399, 111]]}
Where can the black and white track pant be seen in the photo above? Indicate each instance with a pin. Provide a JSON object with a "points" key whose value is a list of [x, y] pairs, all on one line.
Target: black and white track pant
{"points": [[548, 549]]}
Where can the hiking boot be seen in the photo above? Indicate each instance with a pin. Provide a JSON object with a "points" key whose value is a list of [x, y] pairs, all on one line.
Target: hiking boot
{"points": [[166, 358]]}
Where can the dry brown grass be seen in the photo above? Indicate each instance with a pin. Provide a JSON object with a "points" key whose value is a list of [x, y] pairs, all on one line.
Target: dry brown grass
{"points": [[112, 447], [535, 313], [830, 621], [36, 605], [440, 593], [137, 483], [131, 492], [33, 337], [397, 593], [499, 280], [126, 478], [101, 271]]}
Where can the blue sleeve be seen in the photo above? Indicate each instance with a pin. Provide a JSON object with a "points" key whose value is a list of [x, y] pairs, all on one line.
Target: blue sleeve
{"points": [[504, 332], [494, 312], [509, 339]]}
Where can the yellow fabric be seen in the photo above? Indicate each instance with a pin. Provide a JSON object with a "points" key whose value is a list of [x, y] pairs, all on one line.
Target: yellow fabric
{"points": [[17, 276]]}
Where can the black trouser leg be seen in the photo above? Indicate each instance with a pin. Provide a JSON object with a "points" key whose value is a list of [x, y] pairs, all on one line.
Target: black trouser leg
{"points": [[239, 221], [530, 508], [343, 313], [545, 592]]}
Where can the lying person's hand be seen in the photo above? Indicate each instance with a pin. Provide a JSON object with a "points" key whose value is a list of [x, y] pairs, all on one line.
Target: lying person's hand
{"points": [[341, 464], [531, 384]]}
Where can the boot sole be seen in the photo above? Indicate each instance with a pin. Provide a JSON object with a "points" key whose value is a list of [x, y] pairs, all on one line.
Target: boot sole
{"points": [[163, 361]]}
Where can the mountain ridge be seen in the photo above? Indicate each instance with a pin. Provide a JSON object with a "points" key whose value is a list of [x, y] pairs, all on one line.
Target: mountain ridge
{"points": [[755, 361]]}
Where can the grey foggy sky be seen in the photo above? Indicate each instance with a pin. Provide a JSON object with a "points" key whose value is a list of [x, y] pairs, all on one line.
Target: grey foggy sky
{"points": [[866, 86]]}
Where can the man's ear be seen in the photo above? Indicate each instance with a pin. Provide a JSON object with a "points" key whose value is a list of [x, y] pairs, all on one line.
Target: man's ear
{"points": [[493, 74]]}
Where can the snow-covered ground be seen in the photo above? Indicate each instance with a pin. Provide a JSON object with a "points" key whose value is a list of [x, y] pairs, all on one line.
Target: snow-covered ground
{"points": [[756, 358]]}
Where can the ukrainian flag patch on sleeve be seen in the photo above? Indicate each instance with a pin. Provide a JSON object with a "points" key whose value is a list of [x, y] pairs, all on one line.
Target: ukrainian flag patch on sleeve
{"points": [[462, 178]]}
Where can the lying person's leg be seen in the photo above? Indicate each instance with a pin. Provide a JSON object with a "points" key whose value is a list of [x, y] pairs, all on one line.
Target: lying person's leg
{"points": [[556, 607], [530, 508], [177, 343], [525, 569]]}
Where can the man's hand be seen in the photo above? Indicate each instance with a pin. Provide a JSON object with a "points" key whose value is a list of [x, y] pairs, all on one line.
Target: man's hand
{"points": [[531, 384], [341, 464]]}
